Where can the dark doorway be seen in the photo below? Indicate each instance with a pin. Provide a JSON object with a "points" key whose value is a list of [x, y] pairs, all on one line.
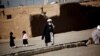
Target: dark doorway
{"points": [[37, 24]]}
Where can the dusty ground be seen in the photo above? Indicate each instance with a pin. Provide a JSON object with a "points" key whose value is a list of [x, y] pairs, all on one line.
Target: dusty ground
{"points": [[91, 50], [59, 38]]}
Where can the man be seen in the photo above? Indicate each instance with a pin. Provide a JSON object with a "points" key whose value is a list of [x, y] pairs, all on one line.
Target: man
{"points": [[48, 32]]}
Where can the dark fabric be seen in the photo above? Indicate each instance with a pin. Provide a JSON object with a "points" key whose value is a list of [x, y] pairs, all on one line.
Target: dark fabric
{"points": [[25, 41], [46, 33], [12, 41]]}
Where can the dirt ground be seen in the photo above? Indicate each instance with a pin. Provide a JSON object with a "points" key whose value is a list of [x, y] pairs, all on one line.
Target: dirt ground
{"points": [[91, 50]]}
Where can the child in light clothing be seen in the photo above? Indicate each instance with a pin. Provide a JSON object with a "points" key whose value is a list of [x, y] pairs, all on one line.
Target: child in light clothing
{"points": [[25, 38]]}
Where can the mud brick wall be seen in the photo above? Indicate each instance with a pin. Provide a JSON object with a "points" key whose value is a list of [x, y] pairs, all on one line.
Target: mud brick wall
{"points": [[75, 17], [66, 17], [14, 25], [20, 19], [38, 21], [53, 10]]}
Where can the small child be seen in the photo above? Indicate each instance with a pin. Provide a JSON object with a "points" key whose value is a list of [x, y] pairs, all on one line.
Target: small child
{"points": [[12, 44], [25, 38]]}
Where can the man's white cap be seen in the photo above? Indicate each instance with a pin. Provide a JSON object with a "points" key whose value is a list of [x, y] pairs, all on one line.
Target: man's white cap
{"points": [[98, 27], [48, 20]]}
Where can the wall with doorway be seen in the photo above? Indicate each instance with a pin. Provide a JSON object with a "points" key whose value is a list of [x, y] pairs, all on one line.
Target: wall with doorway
{"points": [[76, 17], [66, 17], [17, 19], [72, 17]]}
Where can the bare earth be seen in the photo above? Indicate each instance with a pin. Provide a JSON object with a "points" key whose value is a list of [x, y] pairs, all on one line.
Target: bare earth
{"points": [[92, 50]]}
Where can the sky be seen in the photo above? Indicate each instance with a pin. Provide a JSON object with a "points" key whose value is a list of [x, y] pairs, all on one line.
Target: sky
{"points": [[14, 3]]}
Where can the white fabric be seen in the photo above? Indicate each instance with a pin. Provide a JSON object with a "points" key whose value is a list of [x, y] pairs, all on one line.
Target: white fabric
{"points": [[49, 20], [96, 36], [98, 27], [25, 36], [53, 25], [50, 23], [52, 37]]}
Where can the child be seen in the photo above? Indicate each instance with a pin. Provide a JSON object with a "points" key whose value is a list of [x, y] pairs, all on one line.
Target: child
{"points": [[12, 44], [25, 38]]}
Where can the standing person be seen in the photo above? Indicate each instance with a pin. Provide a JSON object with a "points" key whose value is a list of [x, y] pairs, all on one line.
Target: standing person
{"points": [[12, 44], [48, 32], [25, 38]]}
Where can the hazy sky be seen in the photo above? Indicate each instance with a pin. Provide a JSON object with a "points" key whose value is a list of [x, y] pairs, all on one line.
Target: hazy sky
{"points": [[12, 3]]}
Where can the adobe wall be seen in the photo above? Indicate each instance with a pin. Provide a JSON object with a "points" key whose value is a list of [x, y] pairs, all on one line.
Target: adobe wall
{"points": [[66, 17], [20, 19]]}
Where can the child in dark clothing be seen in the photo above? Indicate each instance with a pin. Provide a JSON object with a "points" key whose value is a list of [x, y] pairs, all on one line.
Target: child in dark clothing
{"points": [[12, 44]]}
